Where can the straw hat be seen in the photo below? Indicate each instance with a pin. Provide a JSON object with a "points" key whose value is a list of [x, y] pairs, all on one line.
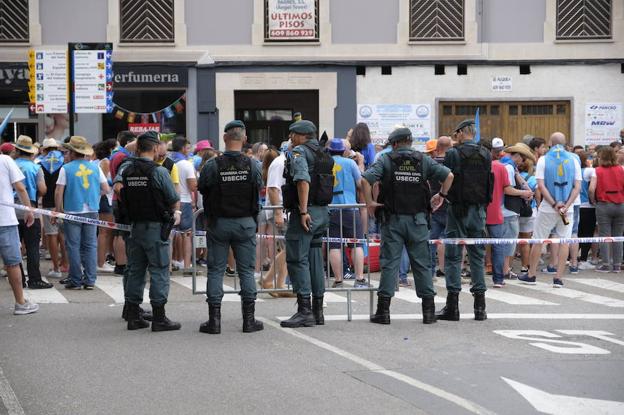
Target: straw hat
{"points": [[25, 144], [522, 149], [79, 145], [50, 143]]}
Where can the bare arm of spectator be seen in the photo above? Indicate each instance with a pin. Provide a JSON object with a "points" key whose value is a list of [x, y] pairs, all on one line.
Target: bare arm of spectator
{"points": [[41, 185], [29, 219], [592, 189], [58, 197]]}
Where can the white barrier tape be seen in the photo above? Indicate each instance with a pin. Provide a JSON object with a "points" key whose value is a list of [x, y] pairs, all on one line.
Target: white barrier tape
{"points": [[71, 218], [480, 241]]}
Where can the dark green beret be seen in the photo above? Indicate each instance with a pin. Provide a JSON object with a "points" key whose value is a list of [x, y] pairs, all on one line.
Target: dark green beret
{"points": [[151, 135], [399, 134], [464, 124], [302, 127], [234, 124]]}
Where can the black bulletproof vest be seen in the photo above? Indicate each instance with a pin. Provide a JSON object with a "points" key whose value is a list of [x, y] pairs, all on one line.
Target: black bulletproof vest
{"points": [[403, 190], [236, 194], [474, 181], [321, 190], [141, 201]]}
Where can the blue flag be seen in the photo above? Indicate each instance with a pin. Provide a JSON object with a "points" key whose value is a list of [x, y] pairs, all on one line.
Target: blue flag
{"points": [[6, 120], [477, 127]]}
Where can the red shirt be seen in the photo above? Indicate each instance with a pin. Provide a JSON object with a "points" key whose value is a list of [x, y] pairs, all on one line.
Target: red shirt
{"points": [[610, 184], [116, 160], [501, 180]]}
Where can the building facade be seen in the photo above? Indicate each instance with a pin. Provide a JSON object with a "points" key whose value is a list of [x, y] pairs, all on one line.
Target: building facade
{"points": [[530, 67]]}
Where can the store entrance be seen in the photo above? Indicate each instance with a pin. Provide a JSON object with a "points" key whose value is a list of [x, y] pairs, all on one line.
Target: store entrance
{"points": [[267, 114], [18, 127]]}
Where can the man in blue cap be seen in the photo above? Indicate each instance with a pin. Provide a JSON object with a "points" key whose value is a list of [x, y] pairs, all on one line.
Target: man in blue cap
{"points": [[149, 201], [402, 209], [468, 200], [308, 190], [230, 185]]}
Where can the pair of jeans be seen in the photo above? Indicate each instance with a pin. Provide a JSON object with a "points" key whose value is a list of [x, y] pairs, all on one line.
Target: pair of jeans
{"points": [[498, 252], [438, 230], [587, 226], [32, 237], [81, 246], [610, 218]]}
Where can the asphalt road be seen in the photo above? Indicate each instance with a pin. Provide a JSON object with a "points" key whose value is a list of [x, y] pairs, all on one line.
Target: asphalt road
{"points": [[542, 350]]}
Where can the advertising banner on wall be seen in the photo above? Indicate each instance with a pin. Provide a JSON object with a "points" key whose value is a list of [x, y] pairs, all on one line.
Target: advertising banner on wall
{"points": [[603, 122], [383, 118], [291, 20]]}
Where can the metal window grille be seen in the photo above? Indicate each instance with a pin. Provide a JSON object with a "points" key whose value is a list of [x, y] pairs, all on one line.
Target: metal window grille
{"points": [[14, 21], [437, 20], [317, 25], [144, 21], [584, 19]]}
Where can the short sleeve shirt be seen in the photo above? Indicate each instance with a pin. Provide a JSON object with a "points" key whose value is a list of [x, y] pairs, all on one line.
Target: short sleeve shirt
{"points": [[9, 175], [494, 215]]}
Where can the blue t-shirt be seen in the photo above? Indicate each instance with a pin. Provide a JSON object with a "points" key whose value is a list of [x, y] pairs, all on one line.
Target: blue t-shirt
{"points": [[346, 176]]}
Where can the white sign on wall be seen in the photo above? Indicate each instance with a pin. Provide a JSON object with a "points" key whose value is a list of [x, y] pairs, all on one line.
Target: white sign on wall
{"points": [[603, 122], [50, 86], [291, 20], [93, 71], [501, 83], [383, 118]]}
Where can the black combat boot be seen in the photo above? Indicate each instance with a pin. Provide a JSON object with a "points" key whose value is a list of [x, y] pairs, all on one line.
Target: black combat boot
{"points": [[303, 317], [250, 324], [147, 315], [451, 311], [479, 306], [213, 325], [317, 310], [135, 321], [382, 315], [428, 310], [161, 322]]}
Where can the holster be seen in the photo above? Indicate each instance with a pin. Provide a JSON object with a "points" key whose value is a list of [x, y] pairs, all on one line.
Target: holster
{"points": [[166, 228]]}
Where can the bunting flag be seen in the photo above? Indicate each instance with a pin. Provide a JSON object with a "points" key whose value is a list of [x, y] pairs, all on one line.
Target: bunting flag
{"points": [[169, 111]]}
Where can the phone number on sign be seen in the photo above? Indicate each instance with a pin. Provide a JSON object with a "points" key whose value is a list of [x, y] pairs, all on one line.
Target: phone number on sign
{"points": [[292, 33]]}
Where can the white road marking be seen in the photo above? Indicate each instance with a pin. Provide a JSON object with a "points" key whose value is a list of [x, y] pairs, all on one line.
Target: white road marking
{"points": [[546, 340], [596, 334], [440, 393], [506, 297], [187, 282], [492, 316], [335, 298], [7, 395], [601, 283], [409, 295], [564, 405], [113, 287], [574, 294], [46, 296]]}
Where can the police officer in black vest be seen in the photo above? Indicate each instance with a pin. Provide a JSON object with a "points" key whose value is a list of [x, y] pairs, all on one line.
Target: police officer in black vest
{"points": [[230, 184], [148, 198]]}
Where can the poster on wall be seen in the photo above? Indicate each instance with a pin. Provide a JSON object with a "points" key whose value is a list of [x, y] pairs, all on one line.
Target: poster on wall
{"points": [[383, 118], [603, 122], [291, 20]]}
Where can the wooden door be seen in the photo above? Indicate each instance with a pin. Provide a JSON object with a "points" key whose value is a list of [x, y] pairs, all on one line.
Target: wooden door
{"points": [[509, 120]]}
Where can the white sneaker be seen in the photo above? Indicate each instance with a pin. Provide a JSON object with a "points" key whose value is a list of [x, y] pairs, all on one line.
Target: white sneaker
{"points": [[54, 274], [26, 308], [106, 267], [586, 265], [178, 264], [3, 273]]}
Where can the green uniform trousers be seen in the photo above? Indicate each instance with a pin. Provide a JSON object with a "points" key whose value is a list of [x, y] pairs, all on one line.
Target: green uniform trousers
{"points": [[304, 257], [405, 230], [470, 226], [147, 252], [240, 234]]}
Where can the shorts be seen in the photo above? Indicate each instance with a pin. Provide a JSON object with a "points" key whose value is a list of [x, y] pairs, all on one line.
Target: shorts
{"points": [[526, 224], [104, 206], [547, 222], [48, 227], [186, 220], [577, 219], [347, 226], [10, 246], [264, 218], [510, 231]]}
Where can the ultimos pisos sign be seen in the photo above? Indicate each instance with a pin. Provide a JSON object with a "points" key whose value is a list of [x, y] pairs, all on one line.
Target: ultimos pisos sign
{"points": [[291, 20]]}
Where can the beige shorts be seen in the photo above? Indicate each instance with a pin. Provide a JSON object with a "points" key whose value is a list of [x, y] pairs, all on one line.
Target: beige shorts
{"points": [[48, 227]]}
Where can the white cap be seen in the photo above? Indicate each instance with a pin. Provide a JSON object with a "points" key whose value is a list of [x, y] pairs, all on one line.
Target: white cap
{"points": [[498, 143], [50, 142]]}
